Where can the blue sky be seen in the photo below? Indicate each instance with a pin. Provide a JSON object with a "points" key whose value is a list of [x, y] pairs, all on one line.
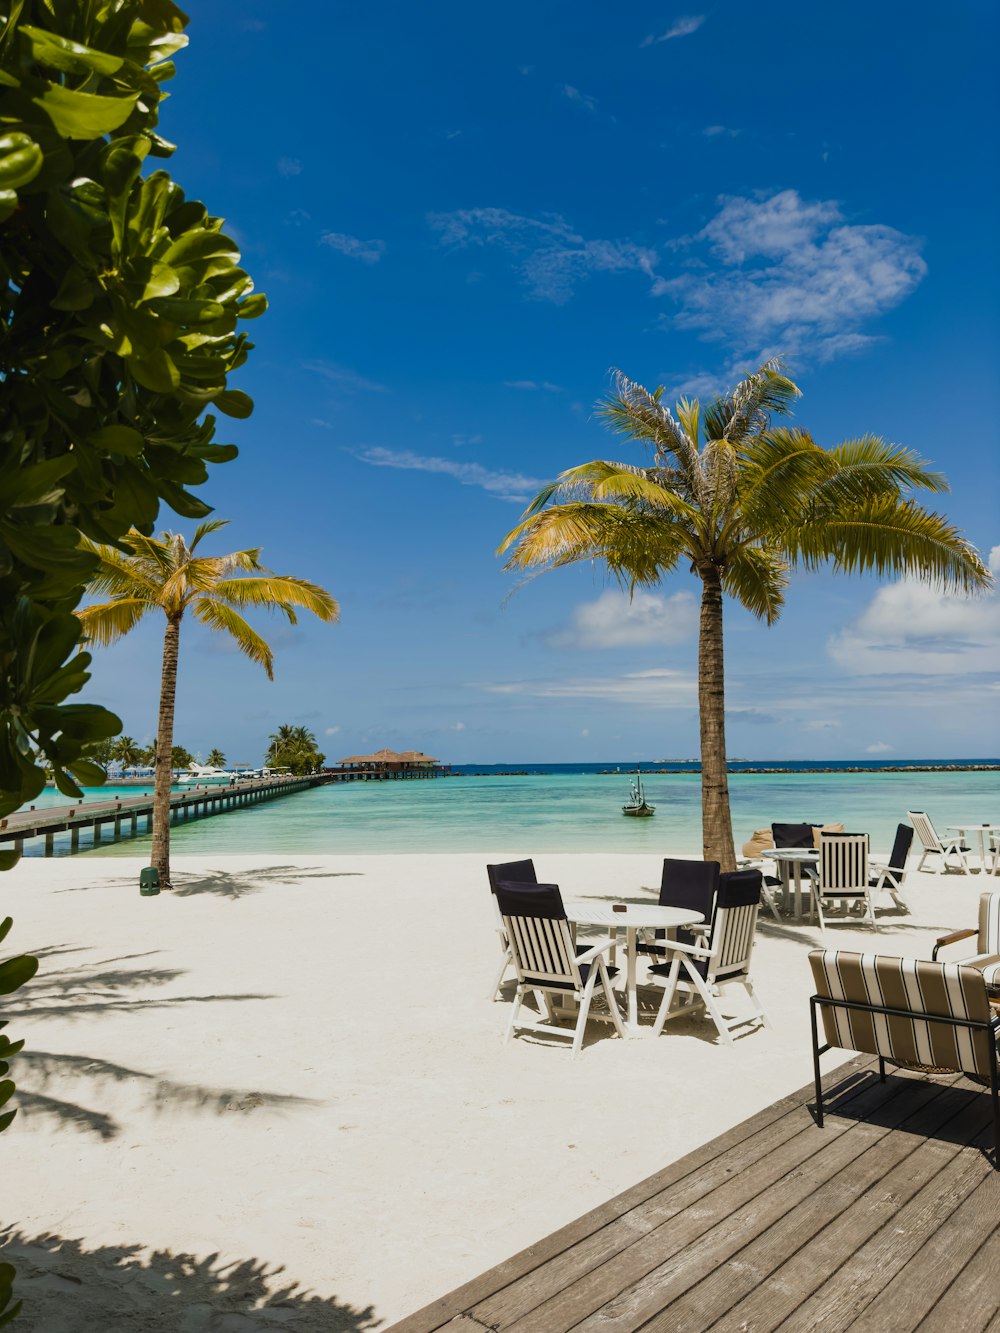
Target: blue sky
{"points": [[463, 217]]}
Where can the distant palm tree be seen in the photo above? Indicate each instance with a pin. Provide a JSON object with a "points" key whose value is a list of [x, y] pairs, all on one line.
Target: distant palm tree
{"points": [[126, 751], [294, 748], [741, 503], [163, 573], [216, 759]]}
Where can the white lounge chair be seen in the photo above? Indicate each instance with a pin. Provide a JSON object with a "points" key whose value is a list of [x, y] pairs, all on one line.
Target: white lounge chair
{"points": [[891, 876], [723, 959], [513, 872], [545, 958], [842, 873], [933, 845]]}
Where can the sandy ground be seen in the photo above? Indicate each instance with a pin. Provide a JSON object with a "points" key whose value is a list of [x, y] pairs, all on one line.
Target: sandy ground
{"points": [[278, 1097]]}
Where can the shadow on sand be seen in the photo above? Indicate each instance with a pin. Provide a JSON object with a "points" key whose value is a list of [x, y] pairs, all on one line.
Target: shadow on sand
{"points": [[67, 1287], [67, 991]]}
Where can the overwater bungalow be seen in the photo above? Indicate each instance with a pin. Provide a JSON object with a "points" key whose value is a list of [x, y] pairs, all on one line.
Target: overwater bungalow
{"points": [[387, 763]]}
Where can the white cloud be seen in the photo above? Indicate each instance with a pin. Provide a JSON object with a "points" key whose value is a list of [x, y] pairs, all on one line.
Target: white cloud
{"points": [[585, 731], [615, 621], [549, 255], [289, 166], [505, 485], [659, 688], [457, 726], [822, 724], [909, 628], [879, 747], [720, 132], [344, 378], [459, 440], [575, 95], [331, 731], [533, 384], [369, 252], [790, 272], [682, 27]]}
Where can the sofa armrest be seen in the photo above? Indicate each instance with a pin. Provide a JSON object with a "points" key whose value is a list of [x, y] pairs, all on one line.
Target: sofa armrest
{"points": [[953, 938]]}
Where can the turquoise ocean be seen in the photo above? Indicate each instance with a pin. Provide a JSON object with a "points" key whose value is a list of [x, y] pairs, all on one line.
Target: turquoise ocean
{"points": [[553, 808]]}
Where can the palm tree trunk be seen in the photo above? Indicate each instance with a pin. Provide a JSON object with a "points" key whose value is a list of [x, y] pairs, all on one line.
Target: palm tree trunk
{"points": [[716, 822], [164, 752]]}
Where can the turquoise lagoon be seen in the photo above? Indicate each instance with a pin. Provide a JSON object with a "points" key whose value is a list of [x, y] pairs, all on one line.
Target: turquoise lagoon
{"points": [[561, 811]]}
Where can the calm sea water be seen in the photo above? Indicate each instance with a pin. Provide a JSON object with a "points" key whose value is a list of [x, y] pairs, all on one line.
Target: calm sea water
{"points": [[557, 808]]}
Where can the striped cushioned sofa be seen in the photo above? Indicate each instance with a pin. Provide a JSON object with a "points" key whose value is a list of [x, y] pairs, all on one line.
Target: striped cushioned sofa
{"points": [[986, 959], [907, 1011]]}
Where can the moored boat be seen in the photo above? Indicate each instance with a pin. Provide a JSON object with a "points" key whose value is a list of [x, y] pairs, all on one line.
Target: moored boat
{"points": [[637, 806]]}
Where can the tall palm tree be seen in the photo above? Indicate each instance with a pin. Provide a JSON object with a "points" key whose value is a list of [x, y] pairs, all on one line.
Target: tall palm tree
{"points": [[163, 573], [216, 759], [742, 502], [126, 750]]}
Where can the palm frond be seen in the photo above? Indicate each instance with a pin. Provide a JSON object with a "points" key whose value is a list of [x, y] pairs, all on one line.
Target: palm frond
{"points": [[110, 621], [750, 404], [868, 466], [637, 548], [279, 592], [757, 577], [209, 526], [620, 483], [218, 616], [637, 414], [118, 573], [156, 553], [780, 469], [889, 536]]}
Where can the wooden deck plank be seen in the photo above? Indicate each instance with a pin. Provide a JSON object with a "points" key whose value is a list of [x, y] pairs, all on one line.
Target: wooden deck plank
{"points": [[953, 1277], [554, 1296], [889, 1214], [764, 1281], [438, 1313], [648, 1300], [843, 1297], [815, 1241]]}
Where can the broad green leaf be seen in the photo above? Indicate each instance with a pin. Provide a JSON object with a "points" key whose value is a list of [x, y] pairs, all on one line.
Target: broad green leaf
{"points": [[235, 403], [84, 115], [117, 439], [253, 306], [153, 368], [76, 291], [60, 53], [21, 160], [16, 971]]}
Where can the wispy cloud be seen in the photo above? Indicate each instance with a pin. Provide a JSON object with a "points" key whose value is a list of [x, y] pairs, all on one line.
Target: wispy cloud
{"points": [[574, 95], [549, 255], [331, 731], [783, 271], [369, 252], [614, 620], [512, 486], [533, 385], [459, 440], [658, 688], [878, 747], [682, 27], [911, 628], [289, 166], [344, 378], [720, 132]]}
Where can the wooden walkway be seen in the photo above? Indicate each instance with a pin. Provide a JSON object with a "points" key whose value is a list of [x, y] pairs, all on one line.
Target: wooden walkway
{"points": [[194, 802], [885, 1220]]}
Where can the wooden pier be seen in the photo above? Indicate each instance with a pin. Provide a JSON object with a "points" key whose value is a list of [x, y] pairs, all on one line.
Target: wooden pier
{"points": [[120, 812]]}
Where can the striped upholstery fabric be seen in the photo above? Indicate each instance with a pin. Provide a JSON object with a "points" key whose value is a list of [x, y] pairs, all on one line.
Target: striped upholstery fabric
{"points": [[987, 957], [924, 990], [843, 865]]}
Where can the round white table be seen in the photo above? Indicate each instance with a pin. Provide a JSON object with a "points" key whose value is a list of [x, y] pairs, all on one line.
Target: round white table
{"points": [[636, 917], [790, 861], [981, 831]]}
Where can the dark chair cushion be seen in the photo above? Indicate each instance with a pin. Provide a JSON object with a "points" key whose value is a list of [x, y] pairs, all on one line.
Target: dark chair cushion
{"points": [[794, 835], [538, 900], [512, 872]]}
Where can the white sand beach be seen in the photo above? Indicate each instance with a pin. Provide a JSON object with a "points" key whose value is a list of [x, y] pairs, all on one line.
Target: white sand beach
{"points": [[278, 1097]]}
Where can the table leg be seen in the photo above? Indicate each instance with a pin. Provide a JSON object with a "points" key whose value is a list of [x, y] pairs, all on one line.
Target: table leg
{"points": [[633, 1005]]}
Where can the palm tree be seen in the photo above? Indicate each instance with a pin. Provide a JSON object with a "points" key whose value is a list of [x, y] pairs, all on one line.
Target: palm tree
{"points": [[294, 748], [742, 502], [216, 759], [163, 573], [126, 750]]}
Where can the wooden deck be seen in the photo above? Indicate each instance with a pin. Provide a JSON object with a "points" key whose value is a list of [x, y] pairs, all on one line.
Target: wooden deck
{"points": [[887, 1219]]}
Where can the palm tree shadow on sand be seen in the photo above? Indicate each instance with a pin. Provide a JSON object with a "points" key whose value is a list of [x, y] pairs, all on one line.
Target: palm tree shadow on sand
{"points": [[67, 1287], [236, 884], [72, 991]]}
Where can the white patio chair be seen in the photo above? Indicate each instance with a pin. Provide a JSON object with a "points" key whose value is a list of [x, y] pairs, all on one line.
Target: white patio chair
{"points": [[722, 960], [933, 845], [891, 876], [843, 873], [986, 959], [546, 961]]}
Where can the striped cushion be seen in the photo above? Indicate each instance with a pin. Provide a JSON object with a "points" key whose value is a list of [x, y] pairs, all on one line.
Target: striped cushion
{"points": [[989, 923], [925, 990], [989, 965]]}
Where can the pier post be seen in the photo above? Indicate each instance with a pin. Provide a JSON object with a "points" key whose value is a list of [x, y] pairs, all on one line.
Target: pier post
{"points": [[97, 832], [135, 825], [118, 826], [49, 843], [74, 838]]}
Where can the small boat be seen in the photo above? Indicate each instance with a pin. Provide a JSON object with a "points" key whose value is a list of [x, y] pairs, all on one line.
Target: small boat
{"points": [[637, 805]]}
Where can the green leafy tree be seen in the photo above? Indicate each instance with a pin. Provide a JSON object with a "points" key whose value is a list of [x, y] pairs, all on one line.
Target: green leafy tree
{"points": [[164, 574], [294, 748], [120, 301], [125, 750], [179, 757], [216, 759], [741, 502]]}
